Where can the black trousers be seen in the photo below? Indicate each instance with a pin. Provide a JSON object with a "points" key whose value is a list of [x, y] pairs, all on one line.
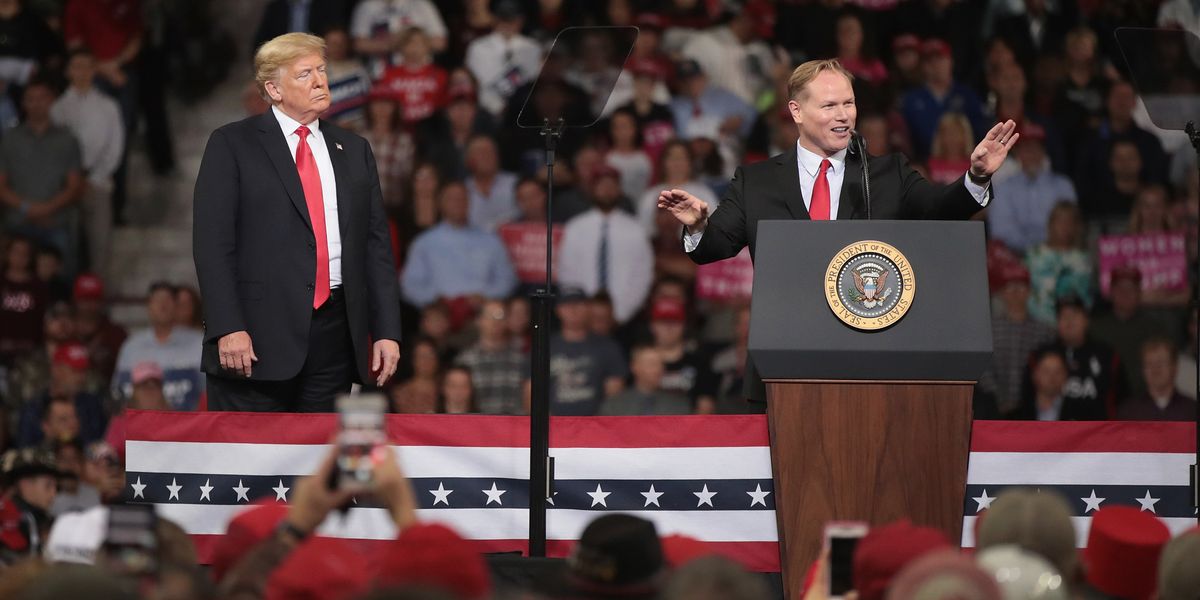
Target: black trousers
{"points": [[328, 371]]}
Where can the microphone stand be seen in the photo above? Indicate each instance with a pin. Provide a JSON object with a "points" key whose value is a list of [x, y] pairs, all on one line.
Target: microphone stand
{"points": [[857, 139]]}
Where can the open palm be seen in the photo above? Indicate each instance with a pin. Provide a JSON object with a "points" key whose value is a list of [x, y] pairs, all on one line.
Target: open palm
{"points": [[991, 152]]}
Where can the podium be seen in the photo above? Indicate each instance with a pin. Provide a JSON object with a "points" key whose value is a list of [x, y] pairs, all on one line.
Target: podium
{"points": [[869, 407]]}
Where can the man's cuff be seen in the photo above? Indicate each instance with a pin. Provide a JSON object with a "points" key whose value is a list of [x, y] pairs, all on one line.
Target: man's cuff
{"points": [[691, 240], [981, 193]]}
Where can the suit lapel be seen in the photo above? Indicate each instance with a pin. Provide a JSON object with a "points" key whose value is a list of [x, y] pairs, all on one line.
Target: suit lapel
{"points": [[341, 176], [850, 201], [790, 176], [276, 147]]}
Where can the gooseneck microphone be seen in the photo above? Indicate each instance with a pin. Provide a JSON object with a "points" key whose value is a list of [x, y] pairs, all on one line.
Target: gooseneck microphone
{"points": [[856, 141]]}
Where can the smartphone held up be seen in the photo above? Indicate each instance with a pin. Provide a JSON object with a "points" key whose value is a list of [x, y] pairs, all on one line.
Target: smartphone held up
{"points": [[361, 440]]}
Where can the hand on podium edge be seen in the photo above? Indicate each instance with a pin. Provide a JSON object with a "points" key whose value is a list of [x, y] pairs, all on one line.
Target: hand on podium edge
{"points": [[689, 210]]}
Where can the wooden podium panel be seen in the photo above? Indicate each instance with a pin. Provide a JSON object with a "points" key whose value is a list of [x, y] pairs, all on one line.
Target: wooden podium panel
{"points": [[872, 451]]}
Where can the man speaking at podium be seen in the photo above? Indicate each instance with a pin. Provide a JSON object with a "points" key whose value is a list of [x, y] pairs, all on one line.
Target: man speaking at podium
{"points": [[821, 177], [292, 248]]}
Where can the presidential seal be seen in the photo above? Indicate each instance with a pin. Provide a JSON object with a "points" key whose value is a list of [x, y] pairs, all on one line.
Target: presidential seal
{"points": [[869, 285]]}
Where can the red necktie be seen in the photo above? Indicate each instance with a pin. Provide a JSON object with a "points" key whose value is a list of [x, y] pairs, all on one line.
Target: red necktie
{"points": [[310, 179], [818, 209]]}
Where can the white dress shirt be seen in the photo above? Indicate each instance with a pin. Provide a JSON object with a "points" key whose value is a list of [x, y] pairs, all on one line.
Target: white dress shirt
{"points": [[630, 259], [96, 121], [809, 164], [501, 65], [316, 143]]}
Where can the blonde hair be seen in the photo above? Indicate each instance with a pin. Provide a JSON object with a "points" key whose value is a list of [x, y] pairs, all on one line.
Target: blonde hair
{"points": [[951, 119], [277, 53], [808, 71]]}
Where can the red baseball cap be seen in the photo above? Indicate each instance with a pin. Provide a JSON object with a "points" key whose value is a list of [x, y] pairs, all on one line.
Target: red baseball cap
{"points": [[651, 20], [244, 532], [88, 286], [72, 354], [681, 549], [321, 568], [645, 67], [884, 551], [935, 47], [1031, 131], [668, 309], [906, 41], [429, 554], [1124, 544], [145, 371]]}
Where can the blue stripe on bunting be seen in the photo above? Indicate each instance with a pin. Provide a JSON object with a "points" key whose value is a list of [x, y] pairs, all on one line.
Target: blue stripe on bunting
{"points": [[1172, 500]]}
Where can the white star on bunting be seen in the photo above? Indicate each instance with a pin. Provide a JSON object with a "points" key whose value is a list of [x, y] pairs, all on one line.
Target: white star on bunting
{"points": [[1092, 502], [139, 488], [652, 497], [241, 490], [758, 496], [983, 502], [705, 497], [174, 489], [1147, 502], [205, 490], [441, 495], [493, 495], [280, 491], [598, 496]]}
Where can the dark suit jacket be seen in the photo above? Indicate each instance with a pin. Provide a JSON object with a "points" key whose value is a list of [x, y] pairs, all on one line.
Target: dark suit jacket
{"points": [[256, 255], [771, 190]]}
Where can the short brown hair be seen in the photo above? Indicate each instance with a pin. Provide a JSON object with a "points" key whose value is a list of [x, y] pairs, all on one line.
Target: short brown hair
{"points": [[277, 53], [808, 71]]}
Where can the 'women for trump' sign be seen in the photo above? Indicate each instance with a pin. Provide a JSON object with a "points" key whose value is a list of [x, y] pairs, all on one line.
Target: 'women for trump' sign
{"points": [[1161, 258]]}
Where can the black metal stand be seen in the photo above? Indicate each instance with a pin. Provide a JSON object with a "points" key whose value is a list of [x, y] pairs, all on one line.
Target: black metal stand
{"points": [[1194, 136], [541, 469]]}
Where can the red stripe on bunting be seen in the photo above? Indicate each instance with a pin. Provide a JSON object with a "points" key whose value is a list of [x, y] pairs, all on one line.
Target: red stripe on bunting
{"points": [[455, 430], [761, 557], [1082, 436]]}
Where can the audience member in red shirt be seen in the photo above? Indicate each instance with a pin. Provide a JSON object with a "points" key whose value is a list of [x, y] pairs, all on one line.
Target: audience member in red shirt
{"points": [[111, 29], [417, 83]]}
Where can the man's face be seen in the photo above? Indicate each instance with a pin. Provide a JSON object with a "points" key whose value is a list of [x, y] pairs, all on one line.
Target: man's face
{"points": [[66, 381], [1072, 325], [456, 390], [937, 69], [1050, 375], [455, 205], [81, 70], [148, 395], [59, 327], [481, 157], [1016, 294], [492, 318], [600, 317], [1158, 369], [160, 306], [531, 200], [1031, 154], [38, 490], [574, 315], [48, 266], [666, 332], [302, 90], [606, 192], [825, 112], [647, 368], [60, 422], [1125, 161], [36, 102]]}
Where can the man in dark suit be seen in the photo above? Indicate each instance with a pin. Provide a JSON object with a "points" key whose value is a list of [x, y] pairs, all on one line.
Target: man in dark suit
{"points": [[820, 179], [292, 248]]}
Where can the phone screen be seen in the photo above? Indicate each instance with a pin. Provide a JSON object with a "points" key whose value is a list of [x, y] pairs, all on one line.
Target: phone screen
{"points": [[361, 439], [841, 564]]}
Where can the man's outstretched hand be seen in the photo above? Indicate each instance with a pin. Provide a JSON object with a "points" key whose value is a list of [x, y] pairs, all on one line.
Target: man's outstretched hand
{"points": [[991, 152], [689, 210]]}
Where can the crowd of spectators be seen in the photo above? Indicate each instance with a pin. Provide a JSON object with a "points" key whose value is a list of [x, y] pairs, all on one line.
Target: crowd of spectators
{"points": [[1092, 231], [1025, 549]]}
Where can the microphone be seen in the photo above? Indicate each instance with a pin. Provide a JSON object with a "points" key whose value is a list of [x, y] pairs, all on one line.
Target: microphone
{"points": [[856, 139]]}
